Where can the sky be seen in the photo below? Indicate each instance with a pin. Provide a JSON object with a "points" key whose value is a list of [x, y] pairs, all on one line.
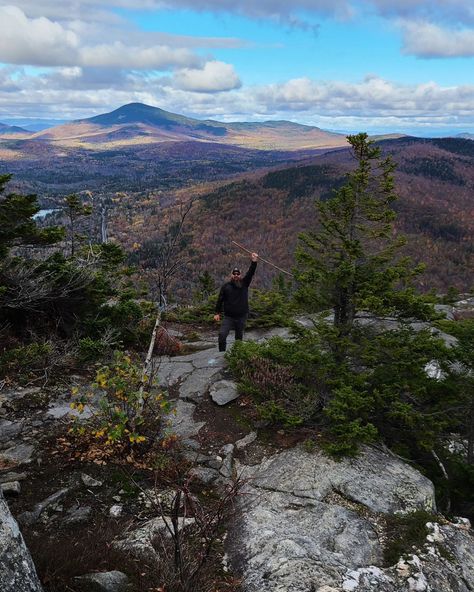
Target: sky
{"points": [[404, 66]]}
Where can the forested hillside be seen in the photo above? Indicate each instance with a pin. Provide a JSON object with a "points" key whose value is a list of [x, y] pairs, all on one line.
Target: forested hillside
{"points": [[255, 197], [52, 171], [434, 179]]}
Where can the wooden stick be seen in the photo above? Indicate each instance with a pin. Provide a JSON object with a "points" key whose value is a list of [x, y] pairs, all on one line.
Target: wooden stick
{"points": [[146, 365], [264, 260]]}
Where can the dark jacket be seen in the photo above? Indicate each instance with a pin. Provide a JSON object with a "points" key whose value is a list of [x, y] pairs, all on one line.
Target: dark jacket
{"points": [[234, 300]]}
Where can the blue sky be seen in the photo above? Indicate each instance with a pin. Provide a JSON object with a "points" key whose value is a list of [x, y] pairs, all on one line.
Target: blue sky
{"points": [[348, 65]]}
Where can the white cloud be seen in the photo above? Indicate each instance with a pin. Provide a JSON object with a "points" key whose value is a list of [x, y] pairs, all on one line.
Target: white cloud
{"points": [[439, 11], [119, 55], [36, 41], [213, 77], [430, 41], [372, 103], [43, 42], [100, 61], [372, 97], [9, 80], [460, 11], [261, 9], [46, 32]]}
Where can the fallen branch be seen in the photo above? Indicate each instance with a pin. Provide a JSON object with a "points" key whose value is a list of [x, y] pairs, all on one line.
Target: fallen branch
{"points": [[146, 365], [264, 260], [446, 476]]}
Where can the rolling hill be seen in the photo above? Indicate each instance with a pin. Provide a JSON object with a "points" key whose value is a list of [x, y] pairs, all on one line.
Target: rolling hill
{"points": [[13, 131], [136, 123], [266, 212]]}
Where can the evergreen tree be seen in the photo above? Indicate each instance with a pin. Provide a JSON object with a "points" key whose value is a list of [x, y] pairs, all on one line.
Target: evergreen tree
{"points": [[75, 209], [376, 381], [17, 224], [458, 403], [206, 286], [348, 263]]}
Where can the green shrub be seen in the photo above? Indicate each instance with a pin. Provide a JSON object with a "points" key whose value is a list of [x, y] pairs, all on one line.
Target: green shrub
{"points": [[25, 361], [200, 314], [130, 321], [379, 388], [405, 534], [268, 308], [276, 413], [283, 390], [91, 350]]}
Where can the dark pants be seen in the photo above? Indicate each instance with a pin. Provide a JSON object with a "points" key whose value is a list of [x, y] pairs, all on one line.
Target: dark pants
{"points": [[229, 324]]}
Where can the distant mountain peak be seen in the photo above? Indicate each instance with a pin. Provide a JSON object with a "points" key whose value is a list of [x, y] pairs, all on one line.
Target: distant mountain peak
{"points": [[12, 129], [140, 123], [139, 113]]}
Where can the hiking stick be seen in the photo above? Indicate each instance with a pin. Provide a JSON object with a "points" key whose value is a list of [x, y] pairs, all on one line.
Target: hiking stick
{"points": [[264, 260]]}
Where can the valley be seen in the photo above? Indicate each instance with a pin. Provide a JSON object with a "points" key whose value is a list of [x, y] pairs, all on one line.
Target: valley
{"points": [[145, 162]]}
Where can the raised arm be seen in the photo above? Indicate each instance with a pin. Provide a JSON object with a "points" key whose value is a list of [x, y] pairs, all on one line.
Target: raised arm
{"points": [[253, 266]]}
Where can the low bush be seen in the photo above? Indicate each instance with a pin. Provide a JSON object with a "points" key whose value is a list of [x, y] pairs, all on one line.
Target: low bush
{"points": [[279, 375], [91, 350], [26, 361], [378, 388], [130, 320], [406, 534], [130, 408], [200, 314], [166, 344], [268, 308]]}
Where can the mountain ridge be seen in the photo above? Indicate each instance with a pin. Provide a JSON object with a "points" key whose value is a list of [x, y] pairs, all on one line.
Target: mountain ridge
{"points": [[139, 123], [12, 129]]}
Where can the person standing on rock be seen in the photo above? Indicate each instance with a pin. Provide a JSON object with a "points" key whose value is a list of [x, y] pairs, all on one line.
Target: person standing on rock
{"points": [[234, 302]]}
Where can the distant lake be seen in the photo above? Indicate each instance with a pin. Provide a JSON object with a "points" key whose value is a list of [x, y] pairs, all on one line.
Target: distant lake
{"points": [[44, 213]]}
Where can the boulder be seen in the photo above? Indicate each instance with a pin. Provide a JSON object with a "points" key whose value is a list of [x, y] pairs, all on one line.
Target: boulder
{"points": [[306, 521], [78, 514], [204, 474], [30, 517], [196, 384], [291, 543], [90, 481], [142, 542], [223, 392], [11, 488], [110, 581], [10, 429], [361, 479], [9, 477], [17, 455], [181, 422], [17, 572]]}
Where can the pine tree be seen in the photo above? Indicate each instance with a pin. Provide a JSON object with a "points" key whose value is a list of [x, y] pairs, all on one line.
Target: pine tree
{"points": [[75, 209], [348, 263], [17, 224], [376, 380]]}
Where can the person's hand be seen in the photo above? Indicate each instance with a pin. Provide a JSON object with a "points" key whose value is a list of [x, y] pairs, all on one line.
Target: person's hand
{"points": [[217, 317], [254, 256]]}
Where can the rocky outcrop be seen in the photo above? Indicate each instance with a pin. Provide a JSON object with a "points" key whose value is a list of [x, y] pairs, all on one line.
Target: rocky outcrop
{"points": [[307, 521], [445, 563], [17, 572], [376, 479]]}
